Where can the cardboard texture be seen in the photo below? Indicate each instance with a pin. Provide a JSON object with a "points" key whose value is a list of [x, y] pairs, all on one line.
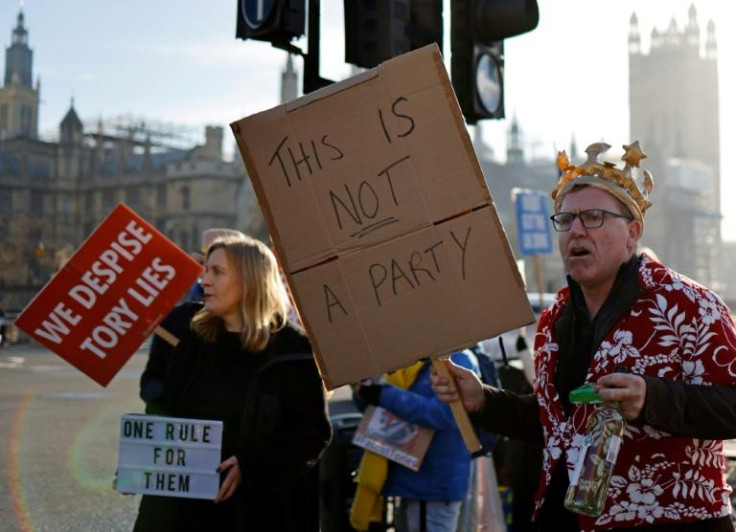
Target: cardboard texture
{"points": [[382, 221]]}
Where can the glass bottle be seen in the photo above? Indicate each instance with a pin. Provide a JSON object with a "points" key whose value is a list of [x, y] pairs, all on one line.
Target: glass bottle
{"points": [[594, 467]]}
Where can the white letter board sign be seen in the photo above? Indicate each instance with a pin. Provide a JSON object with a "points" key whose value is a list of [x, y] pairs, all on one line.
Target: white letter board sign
{"points": [[169, 456]]}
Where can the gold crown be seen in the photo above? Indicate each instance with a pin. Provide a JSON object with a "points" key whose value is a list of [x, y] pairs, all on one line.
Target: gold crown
{"points": [[621, 183]]}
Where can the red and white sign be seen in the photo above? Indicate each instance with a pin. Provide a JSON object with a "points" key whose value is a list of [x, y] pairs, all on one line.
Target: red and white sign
{"points": [[97, 310]]}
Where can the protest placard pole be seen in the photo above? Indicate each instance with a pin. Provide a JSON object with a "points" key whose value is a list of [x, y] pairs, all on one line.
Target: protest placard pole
{"points": [[166, 335], [458, 411]]}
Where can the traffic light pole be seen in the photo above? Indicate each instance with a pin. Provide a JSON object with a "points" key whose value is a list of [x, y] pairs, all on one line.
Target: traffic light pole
{"points": [[312, 80]]}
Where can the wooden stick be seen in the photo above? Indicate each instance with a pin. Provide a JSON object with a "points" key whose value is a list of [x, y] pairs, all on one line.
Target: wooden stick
{"points": [[458, 411], [166, 335]]}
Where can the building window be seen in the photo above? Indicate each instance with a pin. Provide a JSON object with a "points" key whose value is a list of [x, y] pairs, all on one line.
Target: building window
{"points": [[185, 198], [6, 201], [161, 196], [108, 199], [132, 197], [35, 235], [25, 120], [89, 202], [36, 202]]}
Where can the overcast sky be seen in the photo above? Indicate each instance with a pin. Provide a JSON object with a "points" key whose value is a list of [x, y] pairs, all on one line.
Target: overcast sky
{"points": [[178, 61]]}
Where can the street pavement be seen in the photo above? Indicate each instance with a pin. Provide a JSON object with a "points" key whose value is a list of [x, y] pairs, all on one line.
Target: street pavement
{"points": [[59, 444]]}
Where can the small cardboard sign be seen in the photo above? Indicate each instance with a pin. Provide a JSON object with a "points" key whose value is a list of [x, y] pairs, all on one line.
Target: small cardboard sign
{"points": [[382, 220], [97, 310], [387, 435], [169, 456]]}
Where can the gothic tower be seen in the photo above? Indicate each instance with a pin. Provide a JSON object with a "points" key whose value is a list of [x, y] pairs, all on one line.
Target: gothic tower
{"points": [[673, 105], [71, 147], [514, 150], [18, 98], [289, 89]]}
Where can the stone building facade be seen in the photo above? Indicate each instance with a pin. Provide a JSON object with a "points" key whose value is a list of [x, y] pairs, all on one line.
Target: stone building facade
{"points": [[53, 194], [674, 109]]}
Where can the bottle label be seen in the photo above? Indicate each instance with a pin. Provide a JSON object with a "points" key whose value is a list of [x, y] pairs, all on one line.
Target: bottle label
{"points": [[581, 460], [613, 449]]}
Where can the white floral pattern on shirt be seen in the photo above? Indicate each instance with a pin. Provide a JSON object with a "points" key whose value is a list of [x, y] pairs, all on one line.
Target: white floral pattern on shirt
{"points": [[677, 330], [622, 347]]}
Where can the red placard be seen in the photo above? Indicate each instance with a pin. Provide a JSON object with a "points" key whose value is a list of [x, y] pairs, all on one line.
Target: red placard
{"points": [[97, 310]]}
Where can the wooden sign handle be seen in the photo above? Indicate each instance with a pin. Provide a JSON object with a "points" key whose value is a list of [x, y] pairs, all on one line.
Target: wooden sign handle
{"points": [[458, 411], [166, 335]]}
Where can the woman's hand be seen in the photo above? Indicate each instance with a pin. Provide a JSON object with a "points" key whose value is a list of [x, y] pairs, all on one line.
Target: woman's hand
{"points": [[232, 480]]}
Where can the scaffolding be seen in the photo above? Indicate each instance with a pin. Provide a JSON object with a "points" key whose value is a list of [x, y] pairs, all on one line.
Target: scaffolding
{"points": [[140, 131]]}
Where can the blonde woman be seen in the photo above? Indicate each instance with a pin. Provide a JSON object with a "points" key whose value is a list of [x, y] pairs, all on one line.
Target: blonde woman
{"points": [[243, 363]]}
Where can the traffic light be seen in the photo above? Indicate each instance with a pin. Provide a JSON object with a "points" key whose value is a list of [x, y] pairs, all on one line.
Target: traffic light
{"points": [[377, 30], [425, 25], [477, 65], [274, 21]]}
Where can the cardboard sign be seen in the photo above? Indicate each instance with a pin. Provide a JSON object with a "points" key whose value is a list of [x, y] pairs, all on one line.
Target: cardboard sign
{"points": [[169, 456], [97, 310], [382, 220], [384, 434], [532, 221]]}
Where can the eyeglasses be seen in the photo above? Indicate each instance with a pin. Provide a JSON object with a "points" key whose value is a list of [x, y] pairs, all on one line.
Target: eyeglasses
{"points": [[591, 219]]}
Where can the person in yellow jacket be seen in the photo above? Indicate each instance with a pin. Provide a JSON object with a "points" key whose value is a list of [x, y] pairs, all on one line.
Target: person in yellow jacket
{"points": [[429, 499]]}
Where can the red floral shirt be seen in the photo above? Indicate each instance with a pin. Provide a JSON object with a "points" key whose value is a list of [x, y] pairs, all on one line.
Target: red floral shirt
{"points": [[676, 330]]}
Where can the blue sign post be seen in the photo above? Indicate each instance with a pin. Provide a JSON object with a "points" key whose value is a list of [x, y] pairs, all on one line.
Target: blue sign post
{"points": [[532, 222]]}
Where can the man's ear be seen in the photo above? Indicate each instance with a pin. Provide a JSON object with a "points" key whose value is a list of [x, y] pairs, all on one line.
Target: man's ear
{"points": [[635, 228]]}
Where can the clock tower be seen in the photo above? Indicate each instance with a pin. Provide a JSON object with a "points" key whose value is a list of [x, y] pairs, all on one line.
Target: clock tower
{"points": [[19, 99]]}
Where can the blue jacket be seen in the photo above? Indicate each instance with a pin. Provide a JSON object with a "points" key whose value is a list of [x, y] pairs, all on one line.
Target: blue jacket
{"points": [[445, 471]]}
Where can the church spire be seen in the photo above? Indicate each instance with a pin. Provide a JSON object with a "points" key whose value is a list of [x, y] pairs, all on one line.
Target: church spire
{"points": [[289, 89], [19, 56], [20, 34], [514, 151], [711, 48], [634, 37], [18, 97], [692, 30]]}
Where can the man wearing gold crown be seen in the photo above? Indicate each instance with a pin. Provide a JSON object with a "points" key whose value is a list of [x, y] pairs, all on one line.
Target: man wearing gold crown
{"points": [[659, 345]]}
